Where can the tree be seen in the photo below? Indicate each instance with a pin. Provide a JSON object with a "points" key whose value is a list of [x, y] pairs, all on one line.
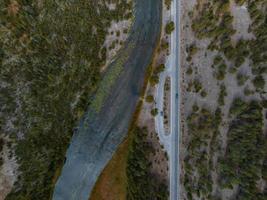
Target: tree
{"points": [[169, 27], [259, 82], [154, 112]]}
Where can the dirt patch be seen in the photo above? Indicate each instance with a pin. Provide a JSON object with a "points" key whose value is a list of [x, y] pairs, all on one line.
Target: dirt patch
{"points": [[241, 22], [13, 8]]}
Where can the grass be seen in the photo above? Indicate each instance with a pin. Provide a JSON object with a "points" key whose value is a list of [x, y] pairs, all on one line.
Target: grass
{"points": [[112, 183]]}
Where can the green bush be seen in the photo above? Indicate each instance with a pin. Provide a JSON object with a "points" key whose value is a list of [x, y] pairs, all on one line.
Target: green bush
{"points": [[154, 112], [241, 79], [189, 71], [169, 28], [222, 94], [259, 82], [203, 93], [149, 98]]}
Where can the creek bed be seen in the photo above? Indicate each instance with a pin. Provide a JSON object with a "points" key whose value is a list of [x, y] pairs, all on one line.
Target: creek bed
{"points": [[107, 120]]}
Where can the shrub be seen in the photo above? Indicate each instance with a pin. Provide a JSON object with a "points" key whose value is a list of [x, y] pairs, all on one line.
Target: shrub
{"points": [[245, 151], [203, 93], [149, 98], [160, 68], [154, 112], [197, 85], [168, 3], [189, 71], [259, 82], [241, 79], [169, 28], [222, 94]]}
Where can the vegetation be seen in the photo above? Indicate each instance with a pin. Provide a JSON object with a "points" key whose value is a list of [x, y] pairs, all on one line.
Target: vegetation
{"points": [[164, 45], [192, 50], [222, 94], [259, 82], [141, 184], [169, 27], [258, 10], [154, 112], [1, 149], [203, 131], [241, 79], [112, 182], [203, 93], [237, 158], [189, 71], [154, 78], [49, 71], [168, 3], [195, 86], [150, 99], [242, 164]]}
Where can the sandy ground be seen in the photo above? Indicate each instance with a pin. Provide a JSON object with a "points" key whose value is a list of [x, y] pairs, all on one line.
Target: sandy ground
{"points": [[117, 35], [8, 171]]}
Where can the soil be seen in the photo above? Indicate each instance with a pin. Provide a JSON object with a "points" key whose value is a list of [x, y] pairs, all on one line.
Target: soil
{"points": [[8, 171]]}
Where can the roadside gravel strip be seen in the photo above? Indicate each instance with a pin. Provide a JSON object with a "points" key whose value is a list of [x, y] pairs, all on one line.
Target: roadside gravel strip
{"points": [[102, 130]]}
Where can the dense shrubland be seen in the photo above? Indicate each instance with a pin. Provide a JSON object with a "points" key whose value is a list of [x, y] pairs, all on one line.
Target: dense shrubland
{"points": [[141, 184], [203, 130], [242, 163], [50, 58]]}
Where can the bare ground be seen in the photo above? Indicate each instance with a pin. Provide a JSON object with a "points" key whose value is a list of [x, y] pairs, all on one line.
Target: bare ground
{"points": [[8, 171]]}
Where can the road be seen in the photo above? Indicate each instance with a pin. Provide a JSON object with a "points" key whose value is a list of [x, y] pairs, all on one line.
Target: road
{"points": [[171, 142]]}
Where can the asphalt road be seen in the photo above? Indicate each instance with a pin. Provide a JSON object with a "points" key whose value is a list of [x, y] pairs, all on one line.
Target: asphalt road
{"points": [[171, 141]]}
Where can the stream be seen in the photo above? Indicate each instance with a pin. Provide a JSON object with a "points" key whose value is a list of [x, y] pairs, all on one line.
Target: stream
{"points": [[106, 122]]}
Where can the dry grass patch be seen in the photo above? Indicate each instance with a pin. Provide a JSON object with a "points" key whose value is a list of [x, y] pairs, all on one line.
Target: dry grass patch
{"points": [[112, 183]]}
